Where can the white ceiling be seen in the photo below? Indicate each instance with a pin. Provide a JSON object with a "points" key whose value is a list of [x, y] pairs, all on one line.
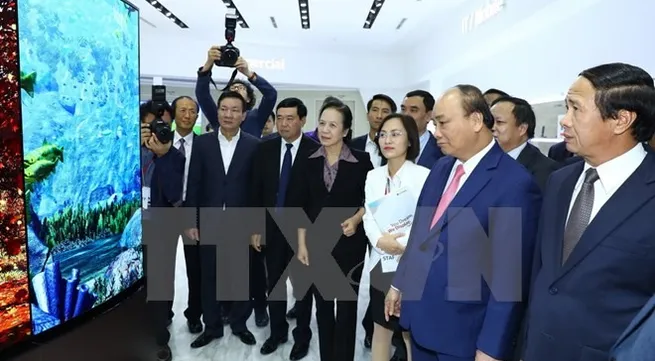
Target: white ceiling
{"points": [[334, 23]]}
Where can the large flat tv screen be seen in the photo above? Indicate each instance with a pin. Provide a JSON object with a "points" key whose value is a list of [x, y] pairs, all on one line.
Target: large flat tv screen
{"points": [[79, 71], [14, 296]]}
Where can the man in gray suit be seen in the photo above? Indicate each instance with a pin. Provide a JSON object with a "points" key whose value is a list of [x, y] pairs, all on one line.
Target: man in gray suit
{"points": [[638, 341]]}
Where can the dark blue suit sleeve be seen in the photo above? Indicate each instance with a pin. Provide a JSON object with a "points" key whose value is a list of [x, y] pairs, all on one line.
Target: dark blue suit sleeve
{"points": [[205, 100], [511, 266], [170, 169], [269, 98]]}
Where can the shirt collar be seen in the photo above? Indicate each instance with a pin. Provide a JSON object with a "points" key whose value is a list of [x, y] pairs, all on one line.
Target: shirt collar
{"points": [[235, 138], [613, 173], [473, 162], [423, 139], [345, 155], [369, 140], [295, 143], [187, 138], [514, 153]]}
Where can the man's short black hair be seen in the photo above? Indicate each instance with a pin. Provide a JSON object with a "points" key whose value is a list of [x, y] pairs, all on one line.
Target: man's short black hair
{"points": [[382, 97], [428, 99], [233, 95], [496, 92], [150, 107], [522, 112]]}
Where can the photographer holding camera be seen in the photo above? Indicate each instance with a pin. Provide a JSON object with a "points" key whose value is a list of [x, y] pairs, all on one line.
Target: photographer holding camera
{"points": [[229, 56], [162, 177]]}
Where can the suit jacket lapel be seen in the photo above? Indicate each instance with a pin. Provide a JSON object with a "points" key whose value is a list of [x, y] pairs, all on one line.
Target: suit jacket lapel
{"points": [[217, 150], [526, 156], [235, 162], [275, 164], [564, 195], [638, 189]]}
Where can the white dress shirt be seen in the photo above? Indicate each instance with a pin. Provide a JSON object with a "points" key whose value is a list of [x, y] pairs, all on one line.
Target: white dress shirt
{"points": [[372, 149], [188, 143], [469, 166], [612, 174], [410, 176], [294, 150], [228, 147], [423, 141], [514, 153]]}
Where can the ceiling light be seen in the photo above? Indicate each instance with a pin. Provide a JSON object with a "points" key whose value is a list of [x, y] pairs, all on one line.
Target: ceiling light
{"points": [[303, 6], [373, 13], [167, 13]]}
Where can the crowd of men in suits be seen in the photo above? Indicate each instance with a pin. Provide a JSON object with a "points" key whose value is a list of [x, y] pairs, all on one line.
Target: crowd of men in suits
{"points": [[586, 255]]}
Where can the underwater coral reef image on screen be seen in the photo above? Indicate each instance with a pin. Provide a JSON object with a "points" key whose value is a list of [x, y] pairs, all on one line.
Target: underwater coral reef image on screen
{"points": [[14, 295], [79, 70]]}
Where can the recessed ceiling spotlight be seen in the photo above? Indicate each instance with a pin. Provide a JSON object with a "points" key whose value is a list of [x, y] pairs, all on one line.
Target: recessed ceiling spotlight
{"points": [[167, 13], [373, 13], [303, 6]]}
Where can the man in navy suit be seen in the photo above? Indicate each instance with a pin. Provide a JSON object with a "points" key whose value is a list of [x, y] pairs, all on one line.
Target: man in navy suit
{"points": [[419, 104], [219, 175], [638, 341], [377, 108], [162, 175], [466, 269], [595, 259]]}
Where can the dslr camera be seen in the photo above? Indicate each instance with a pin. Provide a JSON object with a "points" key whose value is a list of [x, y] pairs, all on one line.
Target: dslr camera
{"points": [[158, 127], [229, 52]]}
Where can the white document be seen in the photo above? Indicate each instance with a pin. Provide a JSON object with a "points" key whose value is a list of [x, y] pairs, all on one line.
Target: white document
{"points": [[145, 197], [394, 213]]}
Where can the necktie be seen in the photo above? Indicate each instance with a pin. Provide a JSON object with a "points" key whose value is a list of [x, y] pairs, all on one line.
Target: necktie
{"points": [[285, 174], [580, 213], [448, 195], [182, 148]]}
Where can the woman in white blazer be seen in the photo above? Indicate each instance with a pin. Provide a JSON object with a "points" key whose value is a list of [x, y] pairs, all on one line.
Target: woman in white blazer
{"points": [[398, 142]]}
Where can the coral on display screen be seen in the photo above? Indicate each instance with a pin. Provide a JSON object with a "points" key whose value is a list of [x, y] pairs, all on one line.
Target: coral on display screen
{"points": [[79, 71], [14, 295]]}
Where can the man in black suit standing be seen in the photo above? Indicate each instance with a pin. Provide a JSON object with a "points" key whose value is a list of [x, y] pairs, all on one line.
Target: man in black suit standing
{"points": [[377, 109], [219, 178], [185, 114], [514, 124], [277, 164], [595, 259]]}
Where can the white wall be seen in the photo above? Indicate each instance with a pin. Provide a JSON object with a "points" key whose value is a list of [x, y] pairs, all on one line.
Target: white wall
{"points": [[347, 69], [537, 57]]}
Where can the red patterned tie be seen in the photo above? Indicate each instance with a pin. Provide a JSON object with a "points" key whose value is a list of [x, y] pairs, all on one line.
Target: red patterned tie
{"points": [[448, 195]]}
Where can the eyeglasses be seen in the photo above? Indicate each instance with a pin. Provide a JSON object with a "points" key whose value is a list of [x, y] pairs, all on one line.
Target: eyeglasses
{"points": [[393, 134]]}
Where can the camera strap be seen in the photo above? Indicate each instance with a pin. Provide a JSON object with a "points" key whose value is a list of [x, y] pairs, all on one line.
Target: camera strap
{"points": [[229, 82]]}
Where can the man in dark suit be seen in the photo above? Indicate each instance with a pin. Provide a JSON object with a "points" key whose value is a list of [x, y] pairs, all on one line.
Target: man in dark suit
{"points": [[595, 260], [476, 190], [419, 104], [185, 114], [514, 124], [278, 163], [219, 178], [638, 340], [377, 109], [162, 174]]}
